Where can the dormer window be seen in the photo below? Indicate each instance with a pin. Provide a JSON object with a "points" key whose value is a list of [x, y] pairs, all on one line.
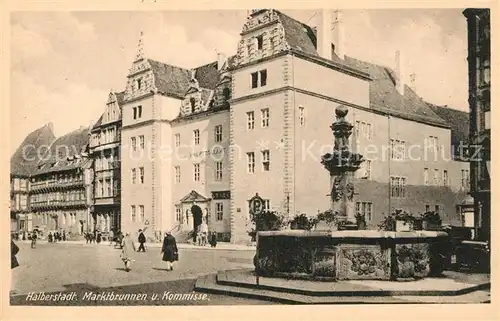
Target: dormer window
{"points": [[139, 83], [193, 104], [260, 42]]}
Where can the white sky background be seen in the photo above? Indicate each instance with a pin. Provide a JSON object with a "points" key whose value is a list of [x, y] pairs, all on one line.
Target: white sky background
{"points": [[64, 64]]}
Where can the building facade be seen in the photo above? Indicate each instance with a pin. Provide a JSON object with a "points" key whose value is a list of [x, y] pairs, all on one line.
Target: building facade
{"points": [[61, 187], [259, 122], [104, 149], [23, 164], [479, 59]]}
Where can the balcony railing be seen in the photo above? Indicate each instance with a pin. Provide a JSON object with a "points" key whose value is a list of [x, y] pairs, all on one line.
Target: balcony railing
{"points": [[56, 203], [56, 184]]}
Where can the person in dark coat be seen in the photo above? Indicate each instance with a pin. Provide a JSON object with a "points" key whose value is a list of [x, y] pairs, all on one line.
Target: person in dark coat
{"points": [[64, 236], [213, 240], [49, 237], [14, 249], [99, 237], [142, 240], [33, 240], [169, 250]]}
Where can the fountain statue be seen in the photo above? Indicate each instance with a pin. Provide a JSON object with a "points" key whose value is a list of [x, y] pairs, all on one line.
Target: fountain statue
{"points": [[341, 164]]}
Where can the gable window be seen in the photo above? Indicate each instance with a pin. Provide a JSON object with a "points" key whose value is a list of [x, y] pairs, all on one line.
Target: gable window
{"points": [[250, 120], [193, 104], [251, 162], [265, 117], [196, 172], [218, 133], [196, 137], [218, 171], [137, 112], [219, 211], [265, 160], [255, 79], [177, 140], [139, 83], [260, 42]]}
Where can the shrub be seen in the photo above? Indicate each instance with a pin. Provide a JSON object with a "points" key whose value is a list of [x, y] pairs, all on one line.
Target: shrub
{"points": [[432, 217], [266, 221], [389, 222], [302, 222]]}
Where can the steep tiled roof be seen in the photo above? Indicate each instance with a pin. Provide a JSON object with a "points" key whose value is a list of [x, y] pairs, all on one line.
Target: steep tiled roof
{"points": [[458, 121], [207, 75], [24, 161], [169, 79], [298, 35], [98, 122], [71, 144], [385, 97]]}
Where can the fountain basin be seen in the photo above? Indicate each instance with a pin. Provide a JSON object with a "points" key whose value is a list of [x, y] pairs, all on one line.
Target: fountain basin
{"points": [[351, 255]]}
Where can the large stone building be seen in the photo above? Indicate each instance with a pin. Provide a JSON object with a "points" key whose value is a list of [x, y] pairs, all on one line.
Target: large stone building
{"points": [[23, 164], [259, 121], [479, 58], [104, 149], [61, 186]]}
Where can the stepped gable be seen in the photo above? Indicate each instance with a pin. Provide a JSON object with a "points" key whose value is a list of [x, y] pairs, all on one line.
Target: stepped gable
{"points": [[24, 160]]}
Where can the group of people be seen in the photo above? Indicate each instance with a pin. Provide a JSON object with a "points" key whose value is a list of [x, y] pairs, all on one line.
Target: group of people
{"points": [[56, 237], [169, 249], [93, 237], [203, 237]]}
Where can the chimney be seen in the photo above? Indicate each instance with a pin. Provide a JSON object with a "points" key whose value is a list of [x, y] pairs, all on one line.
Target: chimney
{"points": [[221, 60], [413, 85], [324, 37], [400, 83], [338, 34]]}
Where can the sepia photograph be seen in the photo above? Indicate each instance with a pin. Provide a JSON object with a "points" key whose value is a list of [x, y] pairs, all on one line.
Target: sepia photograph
{"points": [[250, 157]]}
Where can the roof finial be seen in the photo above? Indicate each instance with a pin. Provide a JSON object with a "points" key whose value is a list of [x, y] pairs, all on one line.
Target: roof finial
{"points": [[140, 47]]}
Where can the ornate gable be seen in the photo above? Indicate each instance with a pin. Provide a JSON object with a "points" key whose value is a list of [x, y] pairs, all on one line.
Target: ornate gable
{"points": [[196, 99], [263, 35], [140, 79]]}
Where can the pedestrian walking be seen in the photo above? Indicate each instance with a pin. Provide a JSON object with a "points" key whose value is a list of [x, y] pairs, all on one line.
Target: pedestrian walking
{"points": [[64, 236], [49, 237], [111, 237], [33, 240], [142, 240], [128, 247], [169, 250], [99, 237], [213, 240], [14, 249]]}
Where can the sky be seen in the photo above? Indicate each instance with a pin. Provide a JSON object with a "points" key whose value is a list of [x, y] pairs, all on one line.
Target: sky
{"points": [[64, 64]]}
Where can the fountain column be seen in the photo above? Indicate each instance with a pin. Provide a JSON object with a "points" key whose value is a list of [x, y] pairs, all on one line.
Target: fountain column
{"points": [[341, 164]]}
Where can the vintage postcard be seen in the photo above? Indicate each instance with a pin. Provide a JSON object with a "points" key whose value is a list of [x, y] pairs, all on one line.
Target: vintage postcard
{"points": [[176, 155]]}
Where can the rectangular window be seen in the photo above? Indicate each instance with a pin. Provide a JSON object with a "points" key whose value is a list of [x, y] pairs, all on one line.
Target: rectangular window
{"points": [[250, 120], [108, 187], [433, 143], [132, 213], [218, 171], [437, 209], [141, 213], [437, 179], [427, 208], [135, 112], [263, 78], [218, 133], [133, 143], [196, 137], [445, 178], [365, 209], [196, 169], [139, 111], [426, 176], [219, 211], [141, 142], [177, 174], [398, 187], [397, 148], [302, 116], [265, 117], [260, 42], [141, 174], [177, 140], [134, 175], [465, 178], [255, 79], [251, 162], [266, 162]]}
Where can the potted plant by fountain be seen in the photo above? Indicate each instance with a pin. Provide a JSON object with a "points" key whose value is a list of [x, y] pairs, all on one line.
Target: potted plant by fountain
{"points": [[398, 221], [326, 220], [302, 222], [431, 221]]}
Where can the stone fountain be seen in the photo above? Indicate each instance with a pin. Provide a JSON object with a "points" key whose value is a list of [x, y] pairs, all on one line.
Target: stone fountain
{"points": [[348, 253]]}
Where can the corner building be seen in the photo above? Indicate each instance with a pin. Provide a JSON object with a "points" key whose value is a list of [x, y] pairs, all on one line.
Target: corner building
{"points": [[259, 122]]}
